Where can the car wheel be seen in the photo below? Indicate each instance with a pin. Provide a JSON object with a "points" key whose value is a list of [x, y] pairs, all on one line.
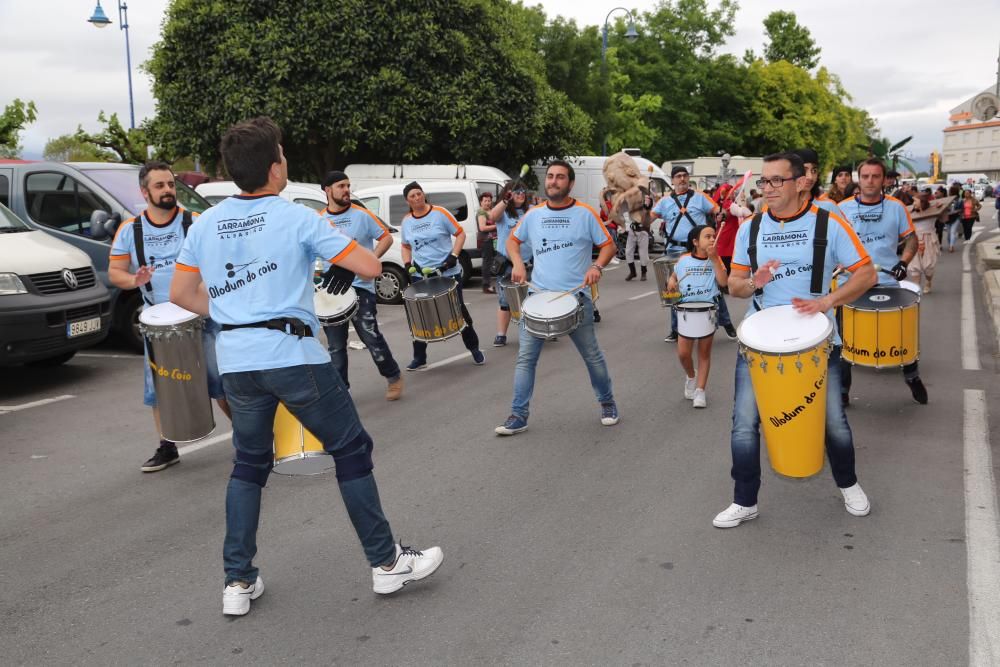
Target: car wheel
{"points": [[389, 286], [52, 361], [126, 323], [466, 262]]}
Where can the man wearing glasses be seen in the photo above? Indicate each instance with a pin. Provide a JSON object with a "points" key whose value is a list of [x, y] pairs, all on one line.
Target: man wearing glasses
{"points": [[784, 247], [882, 223]]}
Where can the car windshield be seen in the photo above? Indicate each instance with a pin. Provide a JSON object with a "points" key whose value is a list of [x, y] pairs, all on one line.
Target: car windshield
{"points": [[10, 222], [123, 184]]}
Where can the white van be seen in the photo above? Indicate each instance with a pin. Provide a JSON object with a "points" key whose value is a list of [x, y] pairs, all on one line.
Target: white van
{"points": [[307, 194], [486, 179], [53, 304], [590, 177]]}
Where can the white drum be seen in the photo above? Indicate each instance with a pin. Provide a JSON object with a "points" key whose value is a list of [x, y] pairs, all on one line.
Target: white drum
{"points": [[696, 319], [335, 309], [550, 315]]}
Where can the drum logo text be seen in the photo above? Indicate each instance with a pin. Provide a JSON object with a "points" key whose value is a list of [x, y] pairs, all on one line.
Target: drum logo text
{"points": [[807, 399], [174, 374], [893, 351], [438, 331]]}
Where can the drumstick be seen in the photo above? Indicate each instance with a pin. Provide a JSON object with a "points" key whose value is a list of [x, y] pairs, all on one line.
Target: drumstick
{"points": [[569, 291]]}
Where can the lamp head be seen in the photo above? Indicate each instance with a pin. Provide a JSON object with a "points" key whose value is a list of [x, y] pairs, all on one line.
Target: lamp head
{"points": [[631, 34], [99, 18]]}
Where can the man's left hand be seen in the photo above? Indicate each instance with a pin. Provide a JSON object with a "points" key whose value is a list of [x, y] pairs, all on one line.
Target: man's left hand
{"points": [[337, 280], [811, 306], [450, 263], [592, 277], [899, 271]]}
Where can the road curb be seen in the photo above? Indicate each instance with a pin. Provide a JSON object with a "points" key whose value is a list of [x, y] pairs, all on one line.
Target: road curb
{"points": [[987, 264]]}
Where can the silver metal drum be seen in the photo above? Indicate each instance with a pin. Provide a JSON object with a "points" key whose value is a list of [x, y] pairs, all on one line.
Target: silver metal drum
{"points": [[514, 294], [663, 268], [433, 309], [177, 360], [549, 315], [332, 310]]}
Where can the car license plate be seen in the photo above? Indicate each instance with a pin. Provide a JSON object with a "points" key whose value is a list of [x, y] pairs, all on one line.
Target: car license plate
{"points": [[83, 327]]}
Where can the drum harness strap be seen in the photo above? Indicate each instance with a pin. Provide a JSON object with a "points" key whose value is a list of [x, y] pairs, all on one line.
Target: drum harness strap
{"points": [[292, 326], [819, 253], [140, 249], [682, 211]]}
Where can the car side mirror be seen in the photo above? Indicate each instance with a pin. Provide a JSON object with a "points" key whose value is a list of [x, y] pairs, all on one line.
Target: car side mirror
{"points": [[98, 231]]}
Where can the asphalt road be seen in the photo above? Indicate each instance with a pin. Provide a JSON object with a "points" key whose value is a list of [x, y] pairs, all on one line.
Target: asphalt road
{"points": [[571, 543]]}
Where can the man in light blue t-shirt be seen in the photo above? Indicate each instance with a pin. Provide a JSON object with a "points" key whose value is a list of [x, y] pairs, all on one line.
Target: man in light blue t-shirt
{"points": [[882, 223], [363, 226], [249, 263], [562, 234], [778, 273], [505, 214]]}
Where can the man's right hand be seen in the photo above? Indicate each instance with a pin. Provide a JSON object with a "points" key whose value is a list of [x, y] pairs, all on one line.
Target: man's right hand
{"points": [[143, 275], [517, 274], [765, 273]]}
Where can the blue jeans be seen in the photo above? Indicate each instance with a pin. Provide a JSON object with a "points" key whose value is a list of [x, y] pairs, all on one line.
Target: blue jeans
{"points": [[469, 336], [366, 324], [317, 397], [530, 348], [745, 439], [723, 312]]}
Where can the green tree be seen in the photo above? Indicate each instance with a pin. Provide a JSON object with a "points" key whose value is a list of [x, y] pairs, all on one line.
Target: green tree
{"points": [[128, 146], [889, 152], [396, 81], [68, 148], [15, 117], [789, 41]]}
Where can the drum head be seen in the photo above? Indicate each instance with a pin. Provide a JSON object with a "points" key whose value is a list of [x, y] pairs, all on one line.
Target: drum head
{"points": [[885, 298], [695, 306], [907, 285], [166, 314], [782, 330], [327, 304], [429, 288], [549, 305]]}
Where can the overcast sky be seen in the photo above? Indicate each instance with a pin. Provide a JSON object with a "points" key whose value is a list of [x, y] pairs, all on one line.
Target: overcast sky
{"points": [[906, 62]]}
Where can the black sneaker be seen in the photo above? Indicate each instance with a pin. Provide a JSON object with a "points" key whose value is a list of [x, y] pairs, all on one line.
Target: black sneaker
{"points": [[671, 337], [918, 390], [597, 315], [166, 455], [730, 331]]}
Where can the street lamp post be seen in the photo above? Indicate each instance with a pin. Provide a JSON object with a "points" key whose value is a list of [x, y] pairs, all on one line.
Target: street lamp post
{"points": [[100, 20], [630, 34]]}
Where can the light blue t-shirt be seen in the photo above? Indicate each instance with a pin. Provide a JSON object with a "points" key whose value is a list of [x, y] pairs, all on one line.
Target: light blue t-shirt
{"points": [[255, 255], [429, 238], [828, 204], [880, 226], [361, 225], [161, 245], [505, 225], [562, 242], [791, 243], [697, 204], [696, 279]]}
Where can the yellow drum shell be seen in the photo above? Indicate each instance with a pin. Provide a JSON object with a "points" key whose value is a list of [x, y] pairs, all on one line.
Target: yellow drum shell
{"points": [[296, 450], [882, 334]]}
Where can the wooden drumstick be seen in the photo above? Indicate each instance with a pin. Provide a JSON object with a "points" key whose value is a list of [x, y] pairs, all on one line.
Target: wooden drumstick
{"points": [[569, 291]]}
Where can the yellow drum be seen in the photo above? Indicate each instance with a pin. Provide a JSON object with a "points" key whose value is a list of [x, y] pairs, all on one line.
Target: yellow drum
{"points": [[296, 450], [788, 355], [881, 329]]}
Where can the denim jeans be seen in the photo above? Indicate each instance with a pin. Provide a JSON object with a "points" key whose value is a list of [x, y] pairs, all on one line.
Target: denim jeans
{"points": [[745, 439], [585, 340], [953, 228], [365, 322], [317, 397], [723, 312], [469, 336], [910, 371]]}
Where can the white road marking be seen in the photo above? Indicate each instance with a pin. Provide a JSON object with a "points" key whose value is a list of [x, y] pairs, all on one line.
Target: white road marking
{"points": [[641, 296], [982, 542], [449, 360], [4, 409], [970, 340], [202, 444]]}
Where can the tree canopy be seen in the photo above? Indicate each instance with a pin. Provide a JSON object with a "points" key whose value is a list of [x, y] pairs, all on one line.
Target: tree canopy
{"points": [[15, 117], [789, 41]]}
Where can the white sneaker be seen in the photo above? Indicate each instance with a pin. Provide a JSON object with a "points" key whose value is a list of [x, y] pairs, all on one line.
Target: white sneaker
{"points": [[410, 565], [690, 384], [236, 599], [699, 399], [734, 515], [856, 501]]}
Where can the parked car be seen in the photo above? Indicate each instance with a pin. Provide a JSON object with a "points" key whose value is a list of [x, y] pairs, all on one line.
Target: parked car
{"points": [[306, 194], [51, 302], [80, 203], [486, 179]]}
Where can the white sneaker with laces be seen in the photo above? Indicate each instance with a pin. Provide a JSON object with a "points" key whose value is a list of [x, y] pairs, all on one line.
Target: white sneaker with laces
{"points": [[410, 565], [734, 515], [236, 598], [699, 400], [690, 384], [856, 501]]}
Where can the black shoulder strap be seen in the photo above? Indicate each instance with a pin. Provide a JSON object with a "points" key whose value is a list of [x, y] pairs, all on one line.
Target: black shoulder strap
{"points": [[819, 251], [752, 248], [186, 221], [140, 249], [681, 207]]}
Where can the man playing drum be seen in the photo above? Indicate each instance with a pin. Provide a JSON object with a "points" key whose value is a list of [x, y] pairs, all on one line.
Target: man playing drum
{"points": [[248, 262], [364, 227], [562, 234], [682, 211], [882, 223], [433, 239], [150, 244], [508, 211], [784, 252]]}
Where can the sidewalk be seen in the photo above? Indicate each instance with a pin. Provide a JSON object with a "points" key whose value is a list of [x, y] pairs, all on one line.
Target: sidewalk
{"points": [[987, 264]]}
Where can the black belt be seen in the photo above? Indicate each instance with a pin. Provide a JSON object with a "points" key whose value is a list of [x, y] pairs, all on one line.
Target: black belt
{"points": [[289, 325]]}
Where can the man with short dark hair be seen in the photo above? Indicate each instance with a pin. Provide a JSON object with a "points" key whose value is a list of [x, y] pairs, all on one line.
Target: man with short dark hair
{"points": [[149, 245], [562, 234], [372, 234], [786, 236], [249, 262]]}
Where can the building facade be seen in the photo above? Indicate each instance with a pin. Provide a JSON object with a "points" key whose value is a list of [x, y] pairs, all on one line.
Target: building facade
{"points": [[971, 145]]}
